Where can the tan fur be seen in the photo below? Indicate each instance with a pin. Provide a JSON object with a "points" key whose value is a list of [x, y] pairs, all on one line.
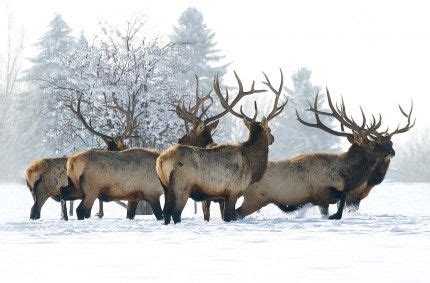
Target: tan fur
{"points": [[125, 175], [218, 172], [306, 178], [213, 173], [53, 171]]}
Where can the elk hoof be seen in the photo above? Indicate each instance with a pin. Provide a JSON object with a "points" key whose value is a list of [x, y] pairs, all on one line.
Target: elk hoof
{"points": [[335, 217], [100, 215]]}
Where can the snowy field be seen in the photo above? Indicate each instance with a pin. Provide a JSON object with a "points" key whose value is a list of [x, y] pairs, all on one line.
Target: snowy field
{"points": [[389, 240]]}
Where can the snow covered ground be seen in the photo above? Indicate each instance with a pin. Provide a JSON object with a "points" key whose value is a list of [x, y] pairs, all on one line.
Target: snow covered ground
{"points": [[389, 240]]}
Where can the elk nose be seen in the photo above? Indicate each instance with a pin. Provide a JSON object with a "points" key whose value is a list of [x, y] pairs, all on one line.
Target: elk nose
{"points": [[392, 153]]}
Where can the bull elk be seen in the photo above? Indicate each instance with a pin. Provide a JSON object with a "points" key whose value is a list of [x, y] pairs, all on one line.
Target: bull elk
{"points": [[219, 172], [131, 174], [206, 204], [321, 178], [377, 175]]}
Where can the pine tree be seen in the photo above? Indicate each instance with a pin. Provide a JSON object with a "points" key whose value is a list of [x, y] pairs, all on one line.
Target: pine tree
{"points": [[292, 137], [56, 42], [193, 34]]}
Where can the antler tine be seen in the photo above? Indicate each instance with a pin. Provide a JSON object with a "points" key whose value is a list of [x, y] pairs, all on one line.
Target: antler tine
{"points": [[228, 107], [199, 99], [319, 124], [408, 125], [184, 114], [334, 110], [276, 110], [189, 115], [255, 113], [363, 116], [204, 109]]}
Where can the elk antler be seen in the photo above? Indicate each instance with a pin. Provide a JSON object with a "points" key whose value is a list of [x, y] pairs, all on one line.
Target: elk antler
{"points": [[408, 125], [339, 113], [319, 124], [190, 115], [228, 107], [78, 112], [276, 109]]}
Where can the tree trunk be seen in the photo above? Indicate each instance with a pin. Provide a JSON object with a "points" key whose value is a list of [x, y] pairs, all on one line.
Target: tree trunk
{"points": [[143, 208]]}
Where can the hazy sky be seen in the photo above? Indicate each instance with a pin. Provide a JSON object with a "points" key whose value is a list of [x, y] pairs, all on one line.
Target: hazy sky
{"points": [[375, 54]]}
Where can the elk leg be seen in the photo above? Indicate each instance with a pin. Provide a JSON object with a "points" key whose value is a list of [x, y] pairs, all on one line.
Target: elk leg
{"points": [[180, 202], [340, 206], [229, 209], [84, 208], [131, 209], [324, 209], [222, 208], [35, 211], [71, 208], [252, 201], [206, 207], [169, 199], [156, 208], [39, 201], [66, 190], [64, 214], [101, 213], [80, 211]]}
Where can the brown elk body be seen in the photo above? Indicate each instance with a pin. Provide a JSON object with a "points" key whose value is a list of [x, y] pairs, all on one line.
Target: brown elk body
{"points": [[321, 178], [44, 178], [219, 172], [124, 175]]}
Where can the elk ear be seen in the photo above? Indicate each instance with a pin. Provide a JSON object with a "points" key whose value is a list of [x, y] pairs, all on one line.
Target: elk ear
{"points": [[350, 138], [200, 128], [212, 126]]}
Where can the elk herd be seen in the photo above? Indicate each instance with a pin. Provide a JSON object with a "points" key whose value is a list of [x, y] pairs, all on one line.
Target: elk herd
{"points": [[198, 168]]}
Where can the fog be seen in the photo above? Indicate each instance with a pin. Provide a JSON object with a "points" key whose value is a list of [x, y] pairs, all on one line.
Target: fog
{"points": [[374, 54]]}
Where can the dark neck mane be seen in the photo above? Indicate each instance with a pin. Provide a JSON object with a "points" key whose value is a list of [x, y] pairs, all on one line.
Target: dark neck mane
{"points": [[359, 164], [255, 151]]}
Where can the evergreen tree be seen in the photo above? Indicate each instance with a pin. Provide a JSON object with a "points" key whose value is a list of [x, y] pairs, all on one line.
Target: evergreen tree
{"points": [[54, 44], [193, 34], [293, 138]]}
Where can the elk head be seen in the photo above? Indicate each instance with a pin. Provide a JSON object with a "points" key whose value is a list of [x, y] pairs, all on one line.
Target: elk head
{"points": [[198, 130], [382, 140], [365, 135], [251, 123]]}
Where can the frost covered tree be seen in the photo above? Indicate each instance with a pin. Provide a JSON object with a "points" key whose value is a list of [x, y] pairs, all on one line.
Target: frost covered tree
{"points": [[192, 33], [122, 86], [292, 137], [56, 42]]}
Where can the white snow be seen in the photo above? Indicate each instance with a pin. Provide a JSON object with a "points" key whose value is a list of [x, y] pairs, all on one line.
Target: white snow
{"points": [[389, 240]]}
